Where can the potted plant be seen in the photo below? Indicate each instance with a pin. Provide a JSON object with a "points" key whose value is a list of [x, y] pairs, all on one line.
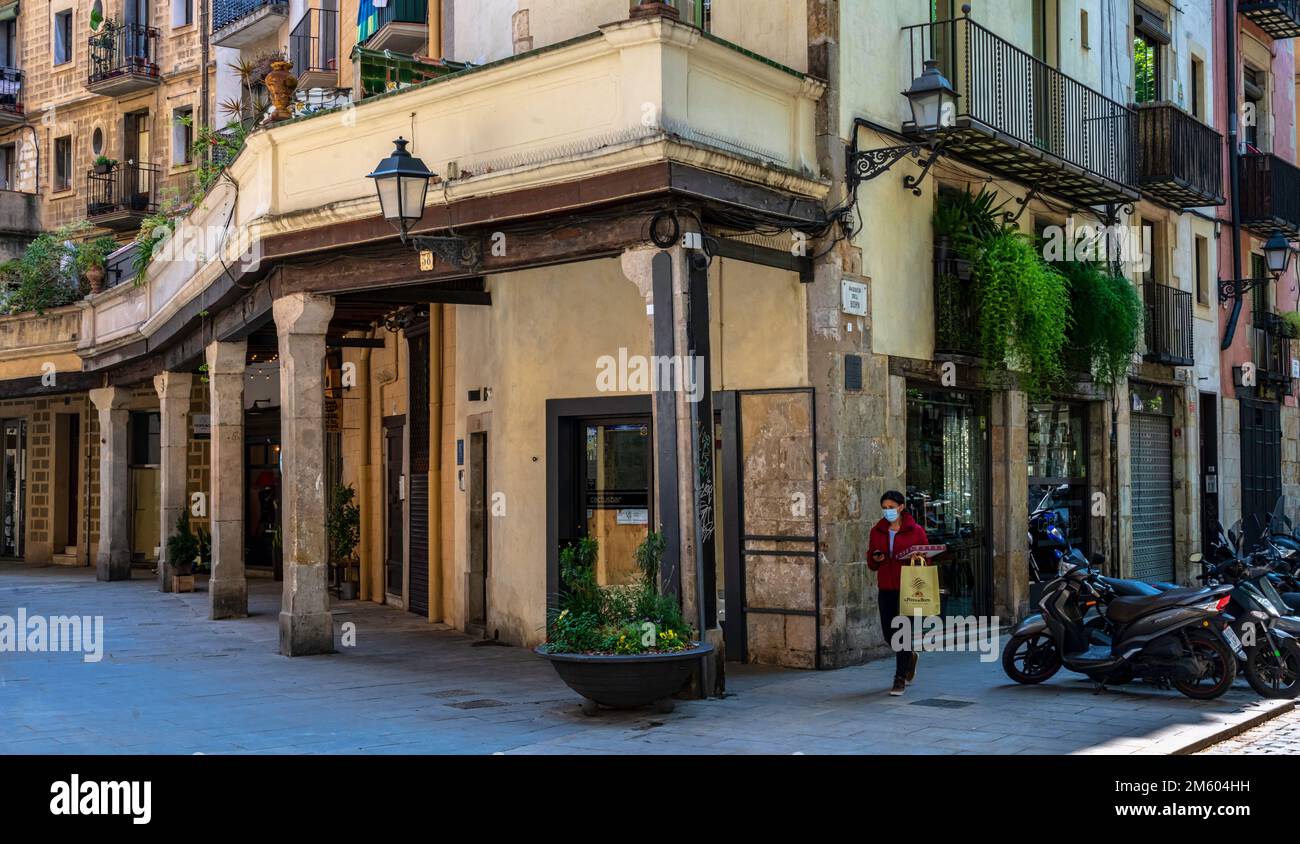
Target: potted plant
{"points": [[961, 221], [204, 563], [343, 527], [182, 552], [104, 164], [619, 646], [91, 256]]}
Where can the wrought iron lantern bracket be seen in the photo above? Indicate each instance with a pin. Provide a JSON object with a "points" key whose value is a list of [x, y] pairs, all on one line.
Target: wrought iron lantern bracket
{"points": [[865, 165], [1230, 288], [461, 252]]}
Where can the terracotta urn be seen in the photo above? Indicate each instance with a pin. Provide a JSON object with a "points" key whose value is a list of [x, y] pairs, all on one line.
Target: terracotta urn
{"points": [[95, 276], [281, 83]]}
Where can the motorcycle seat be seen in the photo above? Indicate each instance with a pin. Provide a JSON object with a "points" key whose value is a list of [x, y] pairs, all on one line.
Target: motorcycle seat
{"points": [[1126, 588], [1124, 610]]}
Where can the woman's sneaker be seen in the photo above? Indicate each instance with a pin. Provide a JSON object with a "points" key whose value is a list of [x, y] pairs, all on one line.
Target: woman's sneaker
{"points": [[911, 672], [900, 685]]}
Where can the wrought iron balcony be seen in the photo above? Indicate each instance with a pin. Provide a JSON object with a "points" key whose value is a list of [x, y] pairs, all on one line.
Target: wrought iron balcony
{"points": [[11, 96], [401, 26], [1023, 119], [1180, 159], [314, 49], [1270, 195], [239, 23], [1168, 325], [123, 59], [1278, 18], [120, 198]]}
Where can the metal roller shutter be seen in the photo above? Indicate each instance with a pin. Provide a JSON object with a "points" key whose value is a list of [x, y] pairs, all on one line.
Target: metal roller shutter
{"points": [[1151, 439]]}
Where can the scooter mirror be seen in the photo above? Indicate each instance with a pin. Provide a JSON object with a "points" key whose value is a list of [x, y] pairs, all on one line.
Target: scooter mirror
{"points": [[1197, 557]]}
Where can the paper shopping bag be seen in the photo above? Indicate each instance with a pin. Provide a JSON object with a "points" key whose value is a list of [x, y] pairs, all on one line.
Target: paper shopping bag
{"points": [[918, 592]]}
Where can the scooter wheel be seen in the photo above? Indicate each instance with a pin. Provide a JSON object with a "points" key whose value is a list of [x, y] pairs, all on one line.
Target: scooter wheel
{"points": [[1031, 658], [1222, 664], [1274, 674]]}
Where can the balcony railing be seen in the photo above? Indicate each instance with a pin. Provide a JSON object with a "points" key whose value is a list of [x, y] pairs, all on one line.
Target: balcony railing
{"points": [[11, 95], [123, 58], [239, 23], [314, 48], [1270, 195], [1168, 324], [1024, 119], [122, 197], [1278, 18], [1180, 159], [227, 12], [400, 26]]}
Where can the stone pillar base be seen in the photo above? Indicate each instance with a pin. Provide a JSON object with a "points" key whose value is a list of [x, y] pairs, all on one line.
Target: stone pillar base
{"points": [[306, 634], [108, 570], [165, 574], [228, 598]]}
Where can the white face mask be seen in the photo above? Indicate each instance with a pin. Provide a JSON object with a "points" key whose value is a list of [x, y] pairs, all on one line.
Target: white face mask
{"points": [[890, 514]]}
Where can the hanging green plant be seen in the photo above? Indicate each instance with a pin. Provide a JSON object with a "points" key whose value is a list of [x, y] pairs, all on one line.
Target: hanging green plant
{"points": [[1106, 319], [1024, 311], [1291, 319]]}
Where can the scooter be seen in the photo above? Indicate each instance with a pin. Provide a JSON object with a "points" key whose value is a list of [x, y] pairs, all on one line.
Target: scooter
{"points": [[1178, 638], [1263, 623]]}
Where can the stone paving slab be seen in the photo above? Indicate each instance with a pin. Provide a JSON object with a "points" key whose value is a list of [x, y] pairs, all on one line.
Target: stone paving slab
{"points": [[171, 681]]}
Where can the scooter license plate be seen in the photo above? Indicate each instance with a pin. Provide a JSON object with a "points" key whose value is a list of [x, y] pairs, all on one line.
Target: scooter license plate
{"points": [[1231, 637]]}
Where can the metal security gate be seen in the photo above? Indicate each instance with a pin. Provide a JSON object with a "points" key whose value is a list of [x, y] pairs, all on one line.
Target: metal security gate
{"points": [[1261, 463], [1151, 439]]}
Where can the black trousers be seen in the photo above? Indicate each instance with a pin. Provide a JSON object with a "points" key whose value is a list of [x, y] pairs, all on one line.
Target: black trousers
{"points": [[888, 611]]}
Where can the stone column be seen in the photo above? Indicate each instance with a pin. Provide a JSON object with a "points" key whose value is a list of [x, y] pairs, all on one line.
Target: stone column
{"points": [[306, 627], [677, 306], [227, 588], [174, 409], [114, 559]]}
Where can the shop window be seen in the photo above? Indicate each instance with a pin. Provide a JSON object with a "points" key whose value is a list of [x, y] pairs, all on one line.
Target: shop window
{"points": [[948, 481], [1058, 476]]}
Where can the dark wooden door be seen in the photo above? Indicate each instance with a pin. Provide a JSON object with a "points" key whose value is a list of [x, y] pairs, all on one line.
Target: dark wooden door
{"points": [[1209, 469], [395, 488], [478, 532]]}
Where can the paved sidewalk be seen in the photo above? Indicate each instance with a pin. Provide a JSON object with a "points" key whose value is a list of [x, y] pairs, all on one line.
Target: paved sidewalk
{"points": [[173, 682]]}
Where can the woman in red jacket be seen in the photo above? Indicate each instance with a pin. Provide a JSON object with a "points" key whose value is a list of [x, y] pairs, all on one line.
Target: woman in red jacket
{"points": [[892, 536]]}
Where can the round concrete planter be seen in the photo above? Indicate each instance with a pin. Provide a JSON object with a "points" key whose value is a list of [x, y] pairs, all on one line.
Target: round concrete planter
{"points": [[626, 681]]}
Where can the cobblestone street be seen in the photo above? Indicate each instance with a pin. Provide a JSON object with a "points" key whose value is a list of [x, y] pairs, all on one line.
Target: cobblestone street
{"points": [[171, 681], [1277, 735]]}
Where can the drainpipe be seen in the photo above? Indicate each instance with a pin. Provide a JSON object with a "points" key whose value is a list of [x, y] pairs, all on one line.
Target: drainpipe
{"points": [[435, 29], [204, 55], [1234, 177]]}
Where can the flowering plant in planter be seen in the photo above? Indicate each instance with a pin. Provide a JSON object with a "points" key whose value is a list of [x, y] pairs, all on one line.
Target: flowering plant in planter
{"points": [[629, 619], [620, 646]]}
